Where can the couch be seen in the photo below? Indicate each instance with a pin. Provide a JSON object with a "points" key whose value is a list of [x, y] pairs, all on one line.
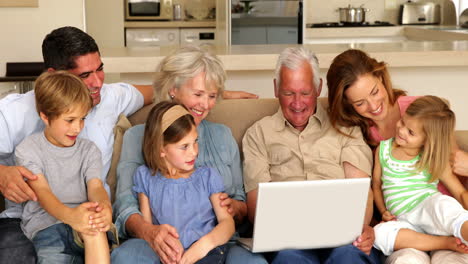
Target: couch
{"points": [[237, 114], [240, 114]]}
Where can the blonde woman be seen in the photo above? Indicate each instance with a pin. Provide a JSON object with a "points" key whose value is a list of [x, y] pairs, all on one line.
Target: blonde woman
{"points": [[194, 78]]}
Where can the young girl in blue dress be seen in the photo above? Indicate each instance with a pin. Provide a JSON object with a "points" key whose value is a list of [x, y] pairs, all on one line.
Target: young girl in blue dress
{"points": [[407, 169], [171, 191]]}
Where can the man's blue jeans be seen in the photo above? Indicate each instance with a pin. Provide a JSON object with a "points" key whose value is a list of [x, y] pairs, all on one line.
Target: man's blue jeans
{"points": [[344, 254], [139, 251], [56, 244], [15, 247]]}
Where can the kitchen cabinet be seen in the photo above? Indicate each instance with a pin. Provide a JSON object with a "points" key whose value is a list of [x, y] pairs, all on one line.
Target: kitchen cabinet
{"points": [[264, 35], [168, 36], [249, 35], [282, 35]]}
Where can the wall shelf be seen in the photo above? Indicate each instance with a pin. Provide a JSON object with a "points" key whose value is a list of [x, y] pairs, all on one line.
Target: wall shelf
{"points": [[19, 3]]}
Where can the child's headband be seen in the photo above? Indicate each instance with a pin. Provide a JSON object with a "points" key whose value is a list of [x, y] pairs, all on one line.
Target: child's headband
{"points": [[172, 115]]}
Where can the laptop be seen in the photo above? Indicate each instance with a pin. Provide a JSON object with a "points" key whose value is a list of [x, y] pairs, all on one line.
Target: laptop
{"points": [[308, 214]]}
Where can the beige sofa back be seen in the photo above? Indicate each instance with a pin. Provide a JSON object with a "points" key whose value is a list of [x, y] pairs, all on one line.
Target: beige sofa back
{"points": [[237, 114], [240, 114]]}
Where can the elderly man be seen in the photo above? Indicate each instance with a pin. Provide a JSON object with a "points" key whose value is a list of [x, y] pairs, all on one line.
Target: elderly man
{"points": [[298, 143]]}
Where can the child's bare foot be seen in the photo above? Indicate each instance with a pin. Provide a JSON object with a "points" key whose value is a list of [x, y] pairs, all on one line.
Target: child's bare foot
{"points": [[457, 245]]}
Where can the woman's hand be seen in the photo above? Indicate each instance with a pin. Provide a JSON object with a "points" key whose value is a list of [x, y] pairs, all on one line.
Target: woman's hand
{"points": [[238, 95], [459, 162], [387, 216], [164, 240], [237, 209]]}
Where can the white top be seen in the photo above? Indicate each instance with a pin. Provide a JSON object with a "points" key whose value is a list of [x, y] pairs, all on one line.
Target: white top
{"points": [[19, 119]]}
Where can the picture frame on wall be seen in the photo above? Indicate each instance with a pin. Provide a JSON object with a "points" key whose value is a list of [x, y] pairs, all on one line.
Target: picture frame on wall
{"points": [[19, 3]]}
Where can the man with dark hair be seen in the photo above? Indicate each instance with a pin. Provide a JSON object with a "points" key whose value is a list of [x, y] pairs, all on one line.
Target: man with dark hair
{"points": [[70, 49], [63, 45]]}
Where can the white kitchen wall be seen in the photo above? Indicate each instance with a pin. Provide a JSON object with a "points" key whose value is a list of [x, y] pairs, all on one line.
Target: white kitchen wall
{"points": [[23, 29], [319, 11]]}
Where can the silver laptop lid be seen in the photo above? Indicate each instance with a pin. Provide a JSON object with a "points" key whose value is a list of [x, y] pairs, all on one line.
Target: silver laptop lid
{"points": [[309, 214]]}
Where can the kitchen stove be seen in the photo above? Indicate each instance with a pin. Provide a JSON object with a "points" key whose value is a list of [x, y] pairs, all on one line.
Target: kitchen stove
{"points": [[336, 24]]}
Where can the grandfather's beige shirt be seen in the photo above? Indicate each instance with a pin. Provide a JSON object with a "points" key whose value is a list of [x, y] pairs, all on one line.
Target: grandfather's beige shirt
{"points": [[276, 151]]}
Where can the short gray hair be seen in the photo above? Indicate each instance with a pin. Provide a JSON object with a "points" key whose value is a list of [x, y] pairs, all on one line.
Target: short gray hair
{"points": [[292, 58], [184, 64]]}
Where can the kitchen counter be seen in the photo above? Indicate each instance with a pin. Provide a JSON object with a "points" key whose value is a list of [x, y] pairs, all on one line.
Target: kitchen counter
{"points": [[171, 24], [251, 21], [420, 47], [422, 62]]}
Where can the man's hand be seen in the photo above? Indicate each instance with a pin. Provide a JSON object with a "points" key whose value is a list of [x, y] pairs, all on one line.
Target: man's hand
{"points": [[13, 186], [366, 240], [237, 209], [459, 162], [164, 240], [102, 218], [238, 95]]}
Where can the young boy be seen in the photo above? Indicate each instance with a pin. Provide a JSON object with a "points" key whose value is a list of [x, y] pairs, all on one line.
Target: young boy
{"points": [[69, 175]]}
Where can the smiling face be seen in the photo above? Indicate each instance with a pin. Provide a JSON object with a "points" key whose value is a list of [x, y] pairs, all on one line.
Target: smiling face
{"points": [[180, 156], [369, 97], [90, 69], [410, 133], [196, 96], [63, 130], [297, 95]]}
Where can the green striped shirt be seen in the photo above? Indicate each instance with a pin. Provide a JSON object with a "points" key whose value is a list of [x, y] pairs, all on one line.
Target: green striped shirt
{"points": [[403, 186]]}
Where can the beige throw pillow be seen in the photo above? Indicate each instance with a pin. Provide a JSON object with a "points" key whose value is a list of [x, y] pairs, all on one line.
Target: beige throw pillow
{"points": [[119, 130]]}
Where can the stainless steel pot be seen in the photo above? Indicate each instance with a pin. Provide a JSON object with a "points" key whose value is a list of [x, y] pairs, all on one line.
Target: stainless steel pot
{"points": [[353, 14]]}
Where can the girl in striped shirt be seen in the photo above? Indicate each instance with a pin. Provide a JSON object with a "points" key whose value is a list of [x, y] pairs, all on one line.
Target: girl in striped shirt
{"points": [[407, 170]]}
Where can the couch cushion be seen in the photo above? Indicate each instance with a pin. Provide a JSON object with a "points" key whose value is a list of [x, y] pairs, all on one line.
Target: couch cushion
{"points": [[237, 114], [119, 130], [240, 114]]}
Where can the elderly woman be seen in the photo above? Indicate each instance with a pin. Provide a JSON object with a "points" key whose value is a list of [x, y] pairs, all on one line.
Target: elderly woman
{"points": [[360, 93], [195, 78]]}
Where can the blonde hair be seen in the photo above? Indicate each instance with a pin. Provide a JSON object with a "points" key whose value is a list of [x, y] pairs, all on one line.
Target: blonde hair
{"points": [[155, 139], [57, 92], [438, 123], [183, 65]]}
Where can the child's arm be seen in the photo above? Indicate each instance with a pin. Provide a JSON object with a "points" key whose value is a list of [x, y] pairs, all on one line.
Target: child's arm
{"points": [[218, 236], [377, 189], [102, 219], [78, 218], [145, 207]]}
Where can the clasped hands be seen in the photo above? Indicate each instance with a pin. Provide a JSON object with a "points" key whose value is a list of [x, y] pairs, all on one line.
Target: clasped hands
{"points": [[90, 218]]}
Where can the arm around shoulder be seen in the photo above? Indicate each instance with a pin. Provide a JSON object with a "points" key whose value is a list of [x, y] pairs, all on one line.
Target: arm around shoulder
{"points": [[147, 92]]}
